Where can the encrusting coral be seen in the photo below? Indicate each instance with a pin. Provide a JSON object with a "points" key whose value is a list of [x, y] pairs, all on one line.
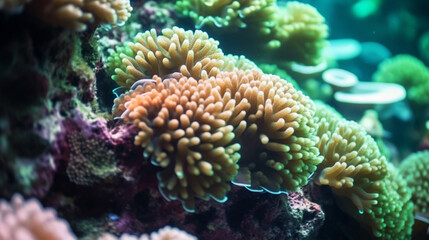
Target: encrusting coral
{"points": [[22, 219], [91, 160], [165, 233], [198, 130], [193, 54], [76, 14], [415, 170]]}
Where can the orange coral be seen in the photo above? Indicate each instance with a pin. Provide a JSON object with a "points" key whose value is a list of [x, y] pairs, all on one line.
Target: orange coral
{"points": [[198, 130], [181, 133]]}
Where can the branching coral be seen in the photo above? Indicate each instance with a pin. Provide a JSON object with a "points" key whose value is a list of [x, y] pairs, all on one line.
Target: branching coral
{"points": [[197, 130], [28, 220], [165, 233], [408, 71], [76, 14], [193, 54], [415, 170]]}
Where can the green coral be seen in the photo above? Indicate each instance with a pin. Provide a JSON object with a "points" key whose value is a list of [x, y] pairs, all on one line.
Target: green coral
{"points": [[295, 32], [352, 161], [356, 171], [230, 14], [175, 50], [408, 71], [392, 216], [415, 170], [114, 60], [299, 34]]}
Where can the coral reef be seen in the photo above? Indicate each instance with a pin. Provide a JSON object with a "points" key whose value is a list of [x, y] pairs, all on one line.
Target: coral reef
{"points": [[211, 144]]}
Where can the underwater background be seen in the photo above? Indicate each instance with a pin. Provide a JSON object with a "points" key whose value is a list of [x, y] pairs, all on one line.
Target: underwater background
{"points": [[233, 119]]}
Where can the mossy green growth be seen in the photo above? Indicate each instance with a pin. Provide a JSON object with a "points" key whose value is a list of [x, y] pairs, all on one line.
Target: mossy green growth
{"points": [[408, 71]]}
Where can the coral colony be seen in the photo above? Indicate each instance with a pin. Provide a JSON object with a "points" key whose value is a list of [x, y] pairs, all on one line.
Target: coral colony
{"points": [[194, 119]]}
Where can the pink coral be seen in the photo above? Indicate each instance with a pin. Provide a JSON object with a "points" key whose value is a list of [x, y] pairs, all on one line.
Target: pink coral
{"points": [[27, 220], [165, 233]]}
